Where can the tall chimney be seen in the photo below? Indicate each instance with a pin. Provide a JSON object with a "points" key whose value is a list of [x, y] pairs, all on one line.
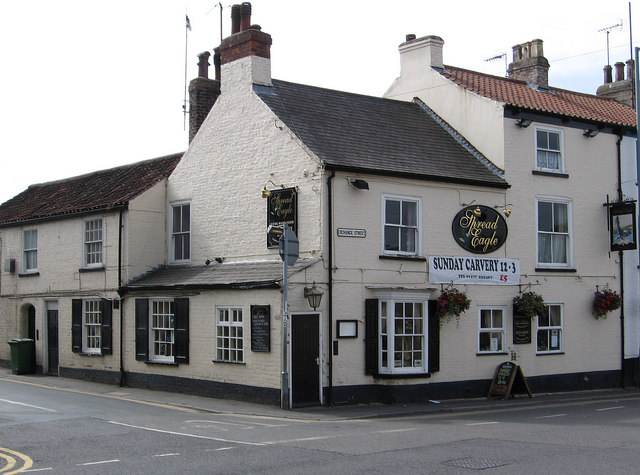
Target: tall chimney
{"points": [[235, 19], [418, 54], [245, 16], [203, 93], [530, 65], [621, 90]]}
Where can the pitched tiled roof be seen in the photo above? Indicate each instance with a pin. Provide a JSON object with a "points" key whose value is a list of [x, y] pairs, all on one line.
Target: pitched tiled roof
{"points": [[236, 275], [374, 135], [94, 191], [555, 101]]}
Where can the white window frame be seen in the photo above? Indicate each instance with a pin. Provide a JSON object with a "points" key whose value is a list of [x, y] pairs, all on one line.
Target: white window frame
{"points": [[418, 226], [27, 251], [388, 303], [492, 330], [556, 331], [229, 334], [560, 151], [569, 233], [162, 337], [181, 232], [92, 325], [90, 241]]}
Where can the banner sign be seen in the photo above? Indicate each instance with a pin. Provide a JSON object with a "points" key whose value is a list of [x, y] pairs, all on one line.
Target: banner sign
{"points": [[474, 270], [479, 229]]}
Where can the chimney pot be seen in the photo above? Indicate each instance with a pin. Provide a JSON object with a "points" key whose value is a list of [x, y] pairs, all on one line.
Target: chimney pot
{"points": [[245, 16], [235, 19], [411, 37], [607, 74], [619, 71], [631, 69], [203, 64]]}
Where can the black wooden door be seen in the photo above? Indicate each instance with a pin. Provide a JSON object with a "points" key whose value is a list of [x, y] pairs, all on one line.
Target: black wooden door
{"points": [[52, 341], [305, 359]]}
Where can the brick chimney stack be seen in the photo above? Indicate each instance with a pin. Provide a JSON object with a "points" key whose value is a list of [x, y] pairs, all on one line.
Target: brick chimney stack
{"points": [[530, 65], [622, 89], [203, 93], [246, 41]]}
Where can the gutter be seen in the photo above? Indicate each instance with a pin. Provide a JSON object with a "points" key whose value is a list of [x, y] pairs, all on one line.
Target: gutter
{"points": [[121, 300], [621, 266]]}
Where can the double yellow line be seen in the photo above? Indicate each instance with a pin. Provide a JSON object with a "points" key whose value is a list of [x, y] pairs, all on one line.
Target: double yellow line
{"points": [[10, 457]]}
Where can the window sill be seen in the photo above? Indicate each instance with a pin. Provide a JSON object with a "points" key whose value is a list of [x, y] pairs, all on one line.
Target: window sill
{"points": [[90, 354], [401, 375], [496, 353], [165, 363], [91, 269], [554, 174], [29, 274], [550, 353], [242, 363], [403, 258], [555, 269]]}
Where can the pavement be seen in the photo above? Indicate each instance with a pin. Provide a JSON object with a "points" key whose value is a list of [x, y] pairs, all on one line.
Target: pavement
{"points": [[336, 412]]}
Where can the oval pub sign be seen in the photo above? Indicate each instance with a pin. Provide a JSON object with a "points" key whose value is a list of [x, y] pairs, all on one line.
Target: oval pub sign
{"points": [[479, 229]]}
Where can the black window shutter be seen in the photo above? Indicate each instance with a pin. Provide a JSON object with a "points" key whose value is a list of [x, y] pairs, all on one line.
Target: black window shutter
{"points": [[182, 330], [371, 336], [142, 329], [434, 337], [76, 325], [105, 327]]}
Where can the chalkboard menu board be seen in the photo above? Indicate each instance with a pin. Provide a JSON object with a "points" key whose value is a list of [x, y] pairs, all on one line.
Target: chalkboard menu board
{"points": [[261, 328], [507, 380]]}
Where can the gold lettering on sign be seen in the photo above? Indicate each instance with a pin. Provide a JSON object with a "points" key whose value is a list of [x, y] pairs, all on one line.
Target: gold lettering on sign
{"points": [[475, 230], [282, 206]]}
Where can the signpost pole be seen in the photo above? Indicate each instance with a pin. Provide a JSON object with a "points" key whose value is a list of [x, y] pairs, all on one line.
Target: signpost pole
{"points": [[284, 402]]}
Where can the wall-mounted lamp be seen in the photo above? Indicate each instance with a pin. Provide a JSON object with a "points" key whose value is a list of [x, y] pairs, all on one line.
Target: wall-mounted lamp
{"points": [[591, 133], [267, 193], [524, 123], [359, 184], [506, 210], [313, 295]]}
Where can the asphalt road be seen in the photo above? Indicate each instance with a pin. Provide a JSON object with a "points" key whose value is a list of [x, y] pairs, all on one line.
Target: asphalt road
{"points": [[97, 429]]}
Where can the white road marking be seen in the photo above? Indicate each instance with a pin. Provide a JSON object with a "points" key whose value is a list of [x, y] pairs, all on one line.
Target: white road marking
{"points": [[166, 455], [27, 405], [38, 469], [550, 416], [195, 436], [97, 463], [393, 430], [609, 408], [480, 423]]}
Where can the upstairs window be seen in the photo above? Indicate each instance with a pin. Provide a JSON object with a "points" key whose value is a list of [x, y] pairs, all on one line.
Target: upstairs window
{"points": [[30, 250], [180, 232], [554, 232], [401, 226], [549, 150], [93, 243]]}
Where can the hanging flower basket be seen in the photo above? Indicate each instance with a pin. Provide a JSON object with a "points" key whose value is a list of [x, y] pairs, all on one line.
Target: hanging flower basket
{"points": [[451, 303], [606, 301], [529, 304]]}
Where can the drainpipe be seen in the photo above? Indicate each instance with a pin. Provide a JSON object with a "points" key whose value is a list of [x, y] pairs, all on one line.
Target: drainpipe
{"points": [[330, 282], [121, 382], [621, 265]]}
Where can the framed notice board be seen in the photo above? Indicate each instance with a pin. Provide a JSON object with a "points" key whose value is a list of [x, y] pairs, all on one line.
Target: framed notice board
{"points": [[508, 380], [261, 328]]}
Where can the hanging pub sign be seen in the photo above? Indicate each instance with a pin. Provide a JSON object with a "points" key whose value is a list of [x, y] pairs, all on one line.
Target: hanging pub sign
{"points": [[479, 229], [622, 226], [282, 208]]}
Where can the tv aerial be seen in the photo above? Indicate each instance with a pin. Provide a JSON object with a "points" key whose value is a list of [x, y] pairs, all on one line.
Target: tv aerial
{"points": [[608, 30]]}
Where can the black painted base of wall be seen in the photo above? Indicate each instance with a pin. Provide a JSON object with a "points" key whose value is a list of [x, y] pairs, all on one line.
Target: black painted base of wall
{"points": [[198, 387], [631, 372], [392, 394]]}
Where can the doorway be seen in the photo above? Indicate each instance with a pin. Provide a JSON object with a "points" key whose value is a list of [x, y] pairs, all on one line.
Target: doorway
{"points": [[306, 363], [52, 338]]}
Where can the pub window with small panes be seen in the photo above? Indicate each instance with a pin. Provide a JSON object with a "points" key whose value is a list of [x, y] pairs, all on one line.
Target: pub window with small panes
{"points": [[401, 337], [91, 326], [162, 330]]}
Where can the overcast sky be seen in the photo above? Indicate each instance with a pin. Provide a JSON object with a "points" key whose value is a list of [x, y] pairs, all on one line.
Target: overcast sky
{"points": [[88, 85]]}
